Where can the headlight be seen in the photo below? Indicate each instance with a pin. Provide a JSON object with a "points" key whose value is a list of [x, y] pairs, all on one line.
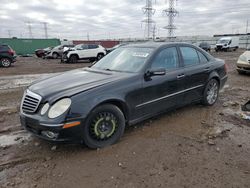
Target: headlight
{"points": [[59, 107], [243, 58], [45, 108]]}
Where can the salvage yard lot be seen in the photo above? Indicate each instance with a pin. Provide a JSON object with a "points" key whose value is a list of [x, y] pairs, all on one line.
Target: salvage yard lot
{"points": [[194, 146]]}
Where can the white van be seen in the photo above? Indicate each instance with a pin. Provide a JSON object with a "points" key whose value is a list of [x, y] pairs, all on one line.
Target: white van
{"points": [[227, 43]]}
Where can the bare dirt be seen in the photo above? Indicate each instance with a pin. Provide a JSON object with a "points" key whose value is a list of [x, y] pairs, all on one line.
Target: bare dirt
{"points": [[194, 146]]}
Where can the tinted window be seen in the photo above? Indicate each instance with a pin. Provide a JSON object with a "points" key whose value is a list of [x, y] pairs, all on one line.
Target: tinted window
{"points": [[93, 46], [4, 48], [202, 57], [167, 58], [84, 47], [189, 55]]}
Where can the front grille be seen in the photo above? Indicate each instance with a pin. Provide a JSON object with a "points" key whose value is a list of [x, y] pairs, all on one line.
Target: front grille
{"points": [[30, 102]]}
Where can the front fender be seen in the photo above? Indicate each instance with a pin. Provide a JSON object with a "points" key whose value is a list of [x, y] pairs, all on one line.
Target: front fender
{"points": [[83, 104]]}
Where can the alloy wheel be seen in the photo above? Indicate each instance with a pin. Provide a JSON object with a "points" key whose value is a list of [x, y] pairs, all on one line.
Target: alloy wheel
{"points": [[212, 92], [5, 62]]}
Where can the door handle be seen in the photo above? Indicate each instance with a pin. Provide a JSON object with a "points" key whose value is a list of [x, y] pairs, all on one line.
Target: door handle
{"points": [[180, 76], [207, 68]]}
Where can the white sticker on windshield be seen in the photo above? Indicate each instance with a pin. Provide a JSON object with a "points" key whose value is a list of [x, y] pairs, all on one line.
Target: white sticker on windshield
{"points": [[140, 54]]}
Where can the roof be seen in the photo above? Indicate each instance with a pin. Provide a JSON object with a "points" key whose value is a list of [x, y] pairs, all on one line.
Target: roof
{"points": [[153, 44]]}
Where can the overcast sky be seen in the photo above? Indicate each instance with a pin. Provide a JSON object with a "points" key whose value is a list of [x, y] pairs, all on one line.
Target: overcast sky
{"points": [[73, 19]]}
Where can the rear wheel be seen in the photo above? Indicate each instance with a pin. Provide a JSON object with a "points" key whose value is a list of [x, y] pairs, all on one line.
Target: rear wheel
{"points": [[73, 59], [5, 62], [99, 56], [104, 126], [211, 92]]}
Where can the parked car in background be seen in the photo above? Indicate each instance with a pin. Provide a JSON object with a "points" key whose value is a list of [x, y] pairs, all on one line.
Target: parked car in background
{"points": [[243, 63], [7, 55], [43, 52], [205, 46], [227, 43], [57, 51], [135, 82], [115, 47], [91, 52]]}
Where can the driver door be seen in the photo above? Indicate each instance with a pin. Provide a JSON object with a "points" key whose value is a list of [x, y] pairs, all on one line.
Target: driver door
{"points": [[82, 52], [164, 91]]}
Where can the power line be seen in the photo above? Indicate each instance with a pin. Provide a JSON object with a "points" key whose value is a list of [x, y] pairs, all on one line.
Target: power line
{"points": [[171, 12]]}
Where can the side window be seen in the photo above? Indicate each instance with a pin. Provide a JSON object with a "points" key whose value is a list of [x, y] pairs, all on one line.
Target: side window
{"points": [[202, 57], [84, 47], [167, 58], [190, 56], [93, 46]]}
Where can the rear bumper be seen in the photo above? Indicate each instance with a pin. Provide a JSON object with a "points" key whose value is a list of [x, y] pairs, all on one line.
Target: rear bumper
{"points": [[69, 135], [223, 80]]}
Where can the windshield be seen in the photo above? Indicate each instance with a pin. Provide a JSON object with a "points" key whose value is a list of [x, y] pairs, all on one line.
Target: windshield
{"points": [[223, 41], [124, 59]]}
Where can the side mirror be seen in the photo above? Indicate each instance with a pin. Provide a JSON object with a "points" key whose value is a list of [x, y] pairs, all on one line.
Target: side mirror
{"points": [[155, 72]]}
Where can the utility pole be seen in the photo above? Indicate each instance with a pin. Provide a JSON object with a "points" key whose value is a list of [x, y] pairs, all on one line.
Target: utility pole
{"points": [[247, 34], [247, 27], [9, 33], [88, 36], [29, 28], [154, 32], [45, 26], [149, 11], [171, 12]]}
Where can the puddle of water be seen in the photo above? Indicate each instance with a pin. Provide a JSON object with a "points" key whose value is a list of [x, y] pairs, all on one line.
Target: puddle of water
{"points": [[11, 139]]}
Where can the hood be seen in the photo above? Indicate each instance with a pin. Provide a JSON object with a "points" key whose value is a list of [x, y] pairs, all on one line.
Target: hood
{"points": [[73, 82]]}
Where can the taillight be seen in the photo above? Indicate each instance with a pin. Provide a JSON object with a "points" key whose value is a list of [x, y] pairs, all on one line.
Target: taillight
{"points": [[226, 68], [11, 52]]}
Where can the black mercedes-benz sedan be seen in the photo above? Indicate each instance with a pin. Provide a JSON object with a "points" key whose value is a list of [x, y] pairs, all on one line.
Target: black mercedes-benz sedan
{"points": [[132, 83]]}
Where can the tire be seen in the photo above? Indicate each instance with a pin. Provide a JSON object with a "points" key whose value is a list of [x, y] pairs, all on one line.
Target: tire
{"points": [[99, 56], [92, 60], [241, 72], [211, 92], [104, 126], [55, 55], [73, 59], [5, 62]]}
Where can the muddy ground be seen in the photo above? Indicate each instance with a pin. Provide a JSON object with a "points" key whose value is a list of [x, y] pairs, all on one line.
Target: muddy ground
{"points": [[194, 146]]}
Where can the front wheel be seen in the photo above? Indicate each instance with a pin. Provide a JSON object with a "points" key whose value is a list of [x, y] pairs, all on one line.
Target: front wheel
{"points": [[211, 92], [73, 59], [104, 126], [55, 55]]}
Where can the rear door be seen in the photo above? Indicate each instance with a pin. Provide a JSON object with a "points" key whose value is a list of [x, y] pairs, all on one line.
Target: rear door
{"points": [[92, 50], [197, 70], [162, 92]]}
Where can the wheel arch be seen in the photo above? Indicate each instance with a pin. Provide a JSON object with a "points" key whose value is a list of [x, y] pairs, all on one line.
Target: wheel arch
{"points": [[74, 54], [214, 75], [120, 104]]}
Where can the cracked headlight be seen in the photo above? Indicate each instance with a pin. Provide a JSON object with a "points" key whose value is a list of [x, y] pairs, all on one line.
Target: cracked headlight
{"points": [[59, 108]]}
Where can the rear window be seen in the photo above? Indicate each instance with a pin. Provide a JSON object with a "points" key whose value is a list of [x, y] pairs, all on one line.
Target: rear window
{"points": [[4, 48]]}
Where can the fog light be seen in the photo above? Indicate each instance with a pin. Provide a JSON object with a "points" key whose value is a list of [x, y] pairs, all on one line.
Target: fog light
{"points": [[49, 134]]}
